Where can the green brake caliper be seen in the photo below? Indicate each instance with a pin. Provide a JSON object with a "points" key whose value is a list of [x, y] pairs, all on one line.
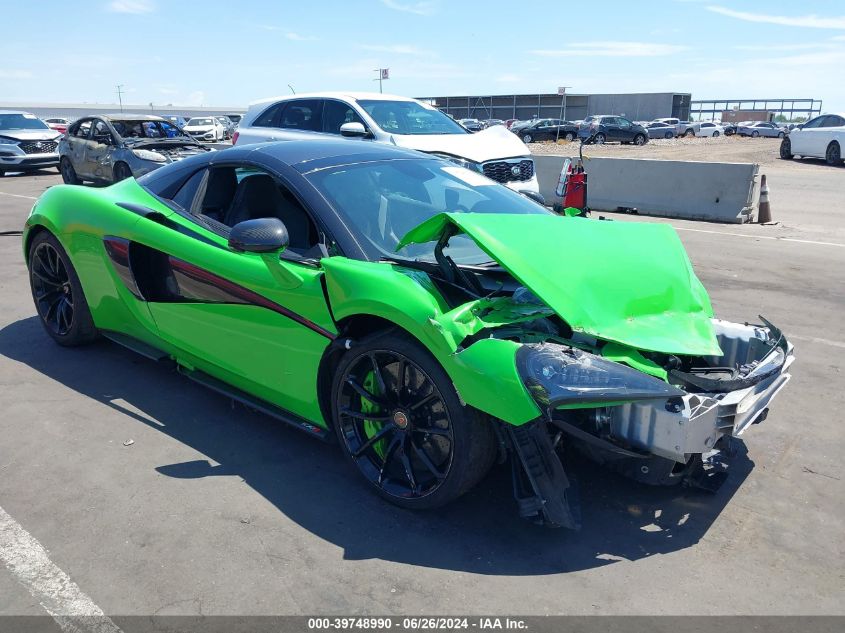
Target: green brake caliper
{"points": [[371, 427]]}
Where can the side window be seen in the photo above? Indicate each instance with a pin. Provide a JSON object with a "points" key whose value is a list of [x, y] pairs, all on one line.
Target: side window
{"points": [[624, 122], [302, 115], [235, 194], [335, 114], [834, 120], [81, 129], [102, 134], [270, 116], [817, 122], [185, 196]]}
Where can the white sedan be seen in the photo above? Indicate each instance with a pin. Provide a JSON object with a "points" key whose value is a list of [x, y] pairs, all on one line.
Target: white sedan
{"points": [[821, 137], [709, 129], [206, 129]]}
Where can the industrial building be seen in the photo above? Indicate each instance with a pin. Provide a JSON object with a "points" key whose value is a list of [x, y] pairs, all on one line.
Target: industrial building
{"points": [[636, 106], [73, 111]]}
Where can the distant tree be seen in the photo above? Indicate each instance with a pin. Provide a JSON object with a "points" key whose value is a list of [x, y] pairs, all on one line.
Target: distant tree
{"points": [[780, 118]]}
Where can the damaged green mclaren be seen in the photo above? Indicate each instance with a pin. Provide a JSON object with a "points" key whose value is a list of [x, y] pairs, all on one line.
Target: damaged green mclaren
{"points": [[427, 319]]}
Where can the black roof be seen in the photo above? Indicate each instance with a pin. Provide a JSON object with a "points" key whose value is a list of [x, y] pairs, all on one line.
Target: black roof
{"points": [[305, 156]]}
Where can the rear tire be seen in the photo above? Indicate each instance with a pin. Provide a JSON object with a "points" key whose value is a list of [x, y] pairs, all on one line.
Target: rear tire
{"points": [[57, 293], [668, 135], [755, 134], [689, 133], [431, 448], [569, 136], [715, 134], [833, 154], [68, 173]]}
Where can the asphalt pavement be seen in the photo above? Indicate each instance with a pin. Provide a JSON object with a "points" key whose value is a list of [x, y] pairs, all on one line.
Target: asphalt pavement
{"points": [[213, 509]]}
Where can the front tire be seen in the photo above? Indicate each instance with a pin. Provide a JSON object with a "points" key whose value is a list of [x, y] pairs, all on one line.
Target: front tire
{"points": [[527, 138], [715, 134], [600, 138], [67, 171], [57, 293], [786, 149], [121, 171], [401, 424], [569, 136], [755, 134], [833, 155], [689, 133], [668, 135], [639, 139]]}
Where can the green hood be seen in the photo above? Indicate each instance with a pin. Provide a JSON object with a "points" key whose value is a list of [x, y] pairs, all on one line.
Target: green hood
{"points": [[628, 282]]}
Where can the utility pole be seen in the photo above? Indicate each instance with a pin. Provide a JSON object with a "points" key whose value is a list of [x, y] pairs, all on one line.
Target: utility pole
{"points": [[383, 73], [562, 92], [120, 95]]}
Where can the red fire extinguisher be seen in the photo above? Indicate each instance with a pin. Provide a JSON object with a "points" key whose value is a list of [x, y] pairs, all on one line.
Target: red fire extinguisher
{"points": [[572, 187]]}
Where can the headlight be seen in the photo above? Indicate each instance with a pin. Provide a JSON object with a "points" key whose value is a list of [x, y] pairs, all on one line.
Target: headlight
{"points": [[556, 375], [8, 141], [145, 154], [462, 162]]}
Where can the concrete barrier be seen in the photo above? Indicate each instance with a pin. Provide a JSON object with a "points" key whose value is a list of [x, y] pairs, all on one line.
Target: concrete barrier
{"points": [[717, 192]]}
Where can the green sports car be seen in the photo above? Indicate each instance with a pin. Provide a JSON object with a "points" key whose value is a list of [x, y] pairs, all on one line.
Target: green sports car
{"points": [[424, 317]]}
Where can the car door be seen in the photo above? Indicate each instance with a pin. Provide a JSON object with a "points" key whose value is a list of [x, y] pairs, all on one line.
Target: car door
{"points": [[259, 322], [610, 126], [626, 129], [336, 113], [98, 151], [809, 140], [77, 143]]}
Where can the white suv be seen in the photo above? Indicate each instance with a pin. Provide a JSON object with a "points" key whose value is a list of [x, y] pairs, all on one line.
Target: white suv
{"points": [[495, 152]]}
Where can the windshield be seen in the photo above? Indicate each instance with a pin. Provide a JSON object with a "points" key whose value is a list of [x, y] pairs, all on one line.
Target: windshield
{"points": [[381, 201], [410, 117], [147, 129], [201, 122], [21, 122]]}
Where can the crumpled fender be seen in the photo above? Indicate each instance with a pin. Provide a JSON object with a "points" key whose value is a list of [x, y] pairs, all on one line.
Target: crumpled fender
{"points": [[484, 373]]}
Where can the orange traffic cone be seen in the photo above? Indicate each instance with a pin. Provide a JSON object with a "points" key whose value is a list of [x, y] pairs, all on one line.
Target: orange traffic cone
{"points": [[764, 213]]}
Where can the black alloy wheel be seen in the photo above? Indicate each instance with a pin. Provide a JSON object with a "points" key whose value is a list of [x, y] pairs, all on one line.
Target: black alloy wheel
{"points": [[786, 149], [401, 424], [57, 293], [67, 171], [639, 139], [833, 155]]}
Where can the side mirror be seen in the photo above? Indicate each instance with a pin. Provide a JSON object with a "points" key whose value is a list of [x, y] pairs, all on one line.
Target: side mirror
{"points": [[264, 235], [533, 195], [353, 130]]}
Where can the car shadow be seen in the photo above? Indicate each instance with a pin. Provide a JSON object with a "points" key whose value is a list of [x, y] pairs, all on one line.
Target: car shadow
{"points": [[310, 482]]}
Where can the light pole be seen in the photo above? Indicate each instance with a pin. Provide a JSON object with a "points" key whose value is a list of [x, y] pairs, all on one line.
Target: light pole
{"points": [[120, 95], [562, 92]]}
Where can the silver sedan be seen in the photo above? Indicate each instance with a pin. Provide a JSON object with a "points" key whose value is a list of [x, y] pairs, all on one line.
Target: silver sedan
{"points": [[760, 128], [110, 148]]}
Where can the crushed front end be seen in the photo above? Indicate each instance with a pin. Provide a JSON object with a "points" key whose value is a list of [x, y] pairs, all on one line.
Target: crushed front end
{"points": [[670, 427]]}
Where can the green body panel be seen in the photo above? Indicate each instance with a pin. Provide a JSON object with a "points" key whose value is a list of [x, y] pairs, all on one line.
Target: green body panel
{"points": [[255, 349], [631, 357], [627, 282], [484, 374]]}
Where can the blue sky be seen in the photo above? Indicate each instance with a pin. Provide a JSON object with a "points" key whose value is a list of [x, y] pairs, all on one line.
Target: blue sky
{"points": [[230, 53]]}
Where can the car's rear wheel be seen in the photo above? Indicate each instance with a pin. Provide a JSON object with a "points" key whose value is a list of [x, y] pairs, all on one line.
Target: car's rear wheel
{"points": [[786, 149], [780, 134], [67, 171], [639, 139], [833, 155], [668, 135], [715, 133], [755, 134], [401, 424], [121, 171], [569, 136], [600, 138], [57, 293], [527, 138], [689, 133]]}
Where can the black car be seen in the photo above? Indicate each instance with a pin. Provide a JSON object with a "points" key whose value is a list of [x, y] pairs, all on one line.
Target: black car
{"points": [[547, 130], [473, 125], [602, 128], [730, 128]]}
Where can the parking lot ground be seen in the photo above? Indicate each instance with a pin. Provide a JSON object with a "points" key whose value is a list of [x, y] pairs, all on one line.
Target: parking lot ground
{"points": [[213, 509]]}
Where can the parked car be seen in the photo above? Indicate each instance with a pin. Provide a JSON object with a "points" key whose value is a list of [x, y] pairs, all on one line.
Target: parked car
{"points": [[547, 130], [760, 128], [682, 128], [58, 124], [708, 128], [206, 129], [403, 306], [384, 118], [491, 122], [26, 142], [178, 121], [473, 125], [235, 117], [820, 137], [110, 148], [660, 130], [228, 125], [610, 127]]}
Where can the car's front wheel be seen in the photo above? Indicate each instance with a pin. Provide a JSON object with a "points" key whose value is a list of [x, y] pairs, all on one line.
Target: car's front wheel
{"points": [[639, 139], [57, 293], [786, 149], [121, 171], [833, 155], [527, 138], [715, 134], [755, 134], [67, 171], [400, 422], [569, 136], [600, 138]]}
